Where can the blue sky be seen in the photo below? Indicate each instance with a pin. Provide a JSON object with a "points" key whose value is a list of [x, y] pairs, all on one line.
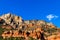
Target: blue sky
{"points": [[32, 9]]}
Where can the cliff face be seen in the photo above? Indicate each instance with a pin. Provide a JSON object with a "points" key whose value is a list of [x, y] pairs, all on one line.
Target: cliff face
{"points": [[11, 19], [37, 29]]}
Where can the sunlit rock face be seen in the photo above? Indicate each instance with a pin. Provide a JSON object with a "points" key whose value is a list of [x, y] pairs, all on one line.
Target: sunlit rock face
{"points": [[54, 37], [26, 21], [12, 19], [38, 29]]}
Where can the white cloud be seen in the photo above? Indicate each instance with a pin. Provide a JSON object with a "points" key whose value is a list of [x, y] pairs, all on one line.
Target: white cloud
{"points": [[51, 16], [56, 16]]}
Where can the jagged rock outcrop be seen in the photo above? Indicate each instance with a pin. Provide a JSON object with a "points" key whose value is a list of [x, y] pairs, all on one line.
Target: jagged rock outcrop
{"points": [[37, 29], [12, 20]]}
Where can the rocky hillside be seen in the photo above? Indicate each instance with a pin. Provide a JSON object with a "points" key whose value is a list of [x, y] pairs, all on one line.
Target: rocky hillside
{"points": [[14, 26]]}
